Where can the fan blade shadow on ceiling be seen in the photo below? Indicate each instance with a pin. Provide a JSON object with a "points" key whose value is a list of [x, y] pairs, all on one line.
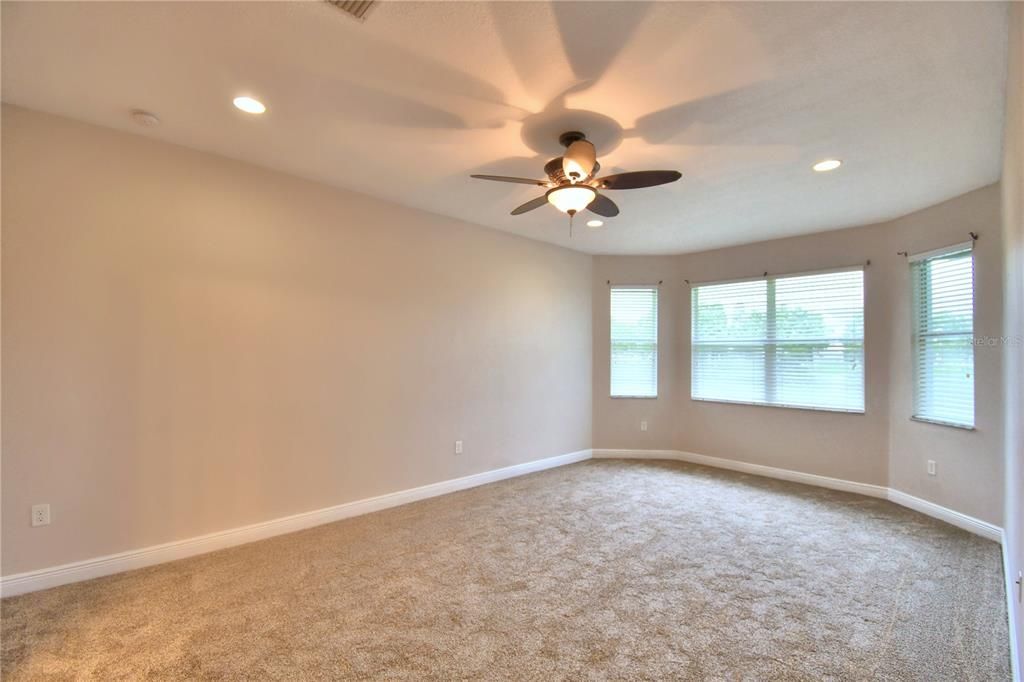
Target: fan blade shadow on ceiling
{"points": [[558, 101], [589, 36], [722, 119], [526, 47], [404, 70], [540, 131], [407, 90], [593, 34], [362, 104], [353, 102]]}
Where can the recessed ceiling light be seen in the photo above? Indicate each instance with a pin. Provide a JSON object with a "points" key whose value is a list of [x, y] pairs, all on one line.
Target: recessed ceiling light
{"points": [[250, 105], [595, 223], [827, 165]]}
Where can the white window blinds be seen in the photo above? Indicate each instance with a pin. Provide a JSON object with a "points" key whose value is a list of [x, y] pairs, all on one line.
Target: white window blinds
{"points": [[634, 342], [790, 341], [943, 336]]}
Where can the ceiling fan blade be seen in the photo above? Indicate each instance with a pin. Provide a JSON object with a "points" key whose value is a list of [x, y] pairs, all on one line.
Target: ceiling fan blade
{"points": [[638, 179], [530, 205], [504, 178], [604, 206]]}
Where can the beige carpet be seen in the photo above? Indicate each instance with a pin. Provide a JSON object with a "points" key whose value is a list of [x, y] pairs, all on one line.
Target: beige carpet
{"points": [[599, 570]]}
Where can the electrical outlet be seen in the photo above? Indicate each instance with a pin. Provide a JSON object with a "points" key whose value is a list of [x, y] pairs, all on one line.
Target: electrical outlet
{"points": [[40, 515], [931, 467], [643, 425], [458, 447]]}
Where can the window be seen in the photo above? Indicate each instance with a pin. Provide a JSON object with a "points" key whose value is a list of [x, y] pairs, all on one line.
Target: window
{"points": [[634, 342], [789, 341], [943, 336]]}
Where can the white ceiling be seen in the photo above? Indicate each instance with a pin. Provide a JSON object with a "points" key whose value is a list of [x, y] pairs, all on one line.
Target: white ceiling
{"points": [[740, 97]]}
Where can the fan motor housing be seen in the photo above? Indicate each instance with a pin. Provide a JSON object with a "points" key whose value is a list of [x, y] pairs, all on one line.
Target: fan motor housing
{"points": [[566, 139], [553, 169]]}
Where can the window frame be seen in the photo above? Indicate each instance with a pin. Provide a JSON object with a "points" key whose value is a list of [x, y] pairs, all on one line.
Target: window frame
{"points": [[771, 346], [912, 261], [657, 341]]}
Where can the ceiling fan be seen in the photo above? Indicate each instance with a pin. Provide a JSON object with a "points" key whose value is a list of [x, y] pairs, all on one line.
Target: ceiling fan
{"points": [[572, 185]]}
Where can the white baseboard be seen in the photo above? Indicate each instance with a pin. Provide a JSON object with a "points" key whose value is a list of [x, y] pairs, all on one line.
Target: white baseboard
{"points": [[149, 556], [748, 468], [968, 523], [1011, 613], [954, 518], [125, 561]]}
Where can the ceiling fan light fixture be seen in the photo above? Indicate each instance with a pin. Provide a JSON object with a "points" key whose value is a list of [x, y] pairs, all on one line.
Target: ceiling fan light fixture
{"points": [[579, 159], [571, 198], [573, 186]]}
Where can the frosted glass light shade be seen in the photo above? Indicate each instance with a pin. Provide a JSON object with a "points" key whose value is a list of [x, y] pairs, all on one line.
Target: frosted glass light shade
{"points": [[571, 198], [579, 159]]}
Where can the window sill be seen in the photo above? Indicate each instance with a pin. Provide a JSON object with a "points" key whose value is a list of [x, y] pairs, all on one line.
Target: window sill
{"points": [[633, 397], [936, 422], [802, 408]]}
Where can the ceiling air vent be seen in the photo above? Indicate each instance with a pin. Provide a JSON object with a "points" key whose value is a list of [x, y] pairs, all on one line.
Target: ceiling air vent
{"points": [[357, 8]]}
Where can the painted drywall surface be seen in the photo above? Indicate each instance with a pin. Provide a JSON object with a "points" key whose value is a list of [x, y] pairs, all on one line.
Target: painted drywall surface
{"points": [[617, 420], [1013, 322], [881, 446], [830, 444], [742, 97], [193, 344], [969, 463], [841, 445]]}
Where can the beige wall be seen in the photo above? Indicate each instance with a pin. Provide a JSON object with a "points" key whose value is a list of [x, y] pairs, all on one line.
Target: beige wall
{"points": [[969, 463], [617, 420], [192, 344], [1013, 324], [881, 446], [841, 445]]}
